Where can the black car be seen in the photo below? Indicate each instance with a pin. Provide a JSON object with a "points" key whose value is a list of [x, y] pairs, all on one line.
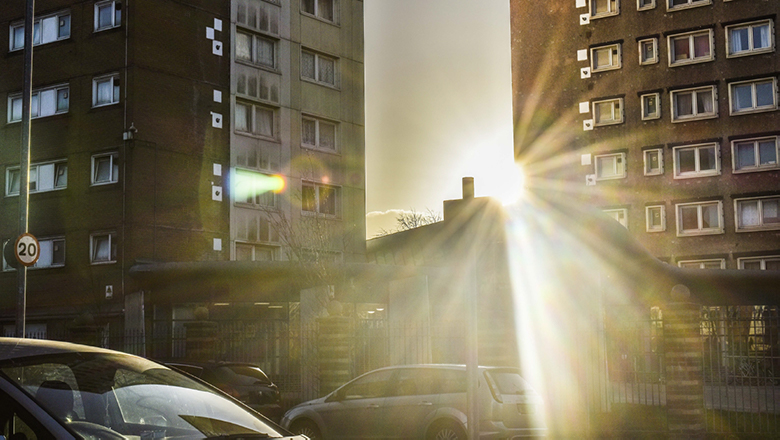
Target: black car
{"points": [[246, 382]]}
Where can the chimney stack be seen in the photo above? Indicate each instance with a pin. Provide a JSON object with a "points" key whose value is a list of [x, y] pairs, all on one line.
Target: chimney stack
{"points": [[468, 188]]}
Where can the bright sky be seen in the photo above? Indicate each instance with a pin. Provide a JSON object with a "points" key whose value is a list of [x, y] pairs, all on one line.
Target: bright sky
{"points": [[438, 104]]}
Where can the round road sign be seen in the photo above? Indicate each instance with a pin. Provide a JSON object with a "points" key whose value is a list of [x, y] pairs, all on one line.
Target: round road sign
{"points": [[27, 249]]}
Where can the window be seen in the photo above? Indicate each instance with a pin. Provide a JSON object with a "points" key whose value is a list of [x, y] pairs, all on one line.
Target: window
{"points": [[605, 58], [750, 38], [696, 161], [693, 47], [648, 51], [52, 253], [102, 247], [757, 213], [105, 90], [620, 215], [255, 49], [651, 106], [604, 8], [759, 263], [694, 104], [610, 166], [699, 218], [655, 218], [255, 189], [324, 9], [755, 154], [251, 252], [715, 263], [43, 177], [45, 102], [255, 119], [320, 199], [654, 161], [682, 4], [46, 29], [608, 112], [108, 15], [642, 5], [318, 133], [753, 96], [105, 168], [318, 68]]}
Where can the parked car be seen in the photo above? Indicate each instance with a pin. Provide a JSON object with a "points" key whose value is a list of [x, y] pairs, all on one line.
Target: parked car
{"points": [[246, 382], [422, 402], [58, 390]]}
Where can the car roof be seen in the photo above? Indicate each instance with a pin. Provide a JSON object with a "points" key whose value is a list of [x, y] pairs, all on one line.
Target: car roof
{"points": [[14, 348], [444, 366]]}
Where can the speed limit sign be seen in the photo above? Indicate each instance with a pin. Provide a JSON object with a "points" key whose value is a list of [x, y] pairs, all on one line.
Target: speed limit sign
{"points": [[27, 249]]}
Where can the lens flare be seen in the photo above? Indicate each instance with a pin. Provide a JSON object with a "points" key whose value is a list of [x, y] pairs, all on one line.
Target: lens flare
{"points": [[249, 185]]}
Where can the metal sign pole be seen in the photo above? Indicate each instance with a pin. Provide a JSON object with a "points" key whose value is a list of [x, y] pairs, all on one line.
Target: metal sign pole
{"points": [[24, 172]]}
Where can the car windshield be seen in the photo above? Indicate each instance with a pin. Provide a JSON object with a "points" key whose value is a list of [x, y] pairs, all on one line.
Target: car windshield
{"points": [[113, 396]]}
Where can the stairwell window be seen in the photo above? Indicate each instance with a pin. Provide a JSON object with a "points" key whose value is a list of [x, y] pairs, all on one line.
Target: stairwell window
{"points": [[318, 133], [750, 38], [696, 103], [108, 14], [46, 29], [44, 176], [654, 161], [323, 9], [759, 263], [105, 90], [604, 8], [699, 218], [319, 198], [651, 106], [255, 49], [102, 247], [610, 166], [45, 102], [644, 5], [755, 154], [605, 58], [318, 68], [690, 48], [105, 168], [757, 213], [753, 96], [608, 112], [648, 51], [655, 218]]}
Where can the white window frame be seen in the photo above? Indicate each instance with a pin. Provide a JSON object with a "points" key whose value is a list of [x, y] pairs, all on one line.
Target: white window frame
{"points": [[251, 190], [695, 115], [253, 58], [700, 229], [655, 58], [94, 239], [761, 260], [47, 253], [698, 172], [689, 4], [643, 100], [754, 108], [253, 129], [615, 57], [253, 248], [702, 263], [690, 36], [757, 165], [763, 224], [113, 168], [650, 5], [616, 110], [39, 97], [620, 215], [618, 165], [318, 59], [649, 227], [41, 29], [751, 50], [56, 177], [318, 10], [646, 159], [318, 136], [317, 202], [613, 8], [116, 15], [113, 82]]}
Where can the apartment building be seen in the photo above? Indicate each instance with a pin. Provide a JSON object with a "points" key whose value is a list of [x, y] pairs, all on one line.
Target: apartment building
{"points": [[178, 131], [664, 113]]}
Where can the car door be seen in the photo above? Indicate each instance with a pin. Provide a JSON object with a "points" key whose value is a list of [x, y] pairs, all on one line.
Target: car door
{"points": [[410, 401], [355, 411]]}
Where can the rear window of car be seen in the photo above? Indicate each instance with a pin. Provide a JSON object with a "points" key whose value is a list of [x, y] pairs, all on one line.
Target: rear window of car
{"points": [[246, 375], [509, 381]]}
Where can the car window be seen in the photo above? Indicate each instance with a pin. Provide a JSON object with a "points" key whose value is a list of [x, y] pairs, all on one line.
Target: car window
{"points": [[52, 384], [369, 386], [414, 381], [15, 422], [451, 381], [245, 375], [509, 382]]}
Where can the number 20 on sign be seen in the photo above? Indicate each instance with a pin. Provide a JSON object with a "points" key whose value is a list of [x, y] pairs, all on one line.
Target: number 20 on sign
{"points": [[27, 249]]}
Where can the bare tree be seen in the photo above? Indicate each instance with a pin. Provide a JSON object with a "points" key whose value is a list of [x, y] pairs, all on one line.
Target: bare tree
{"points": [[412, 219]]}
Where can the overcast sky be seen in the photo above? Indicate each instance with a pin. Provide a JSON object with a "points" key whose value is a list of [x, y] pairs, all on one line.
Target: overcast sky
{"points": [[438, 104]]}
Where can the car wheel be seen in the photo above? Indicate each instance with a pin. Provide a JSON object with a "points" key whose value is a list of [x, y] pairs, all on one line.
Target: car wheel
{"points": [[307, 428], [446, 431]]}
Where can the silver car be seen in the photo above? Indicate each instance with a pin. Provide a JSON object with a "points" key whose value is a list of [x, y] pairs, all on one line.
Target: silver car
{"points": [[421, 402], [57, 390]]}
